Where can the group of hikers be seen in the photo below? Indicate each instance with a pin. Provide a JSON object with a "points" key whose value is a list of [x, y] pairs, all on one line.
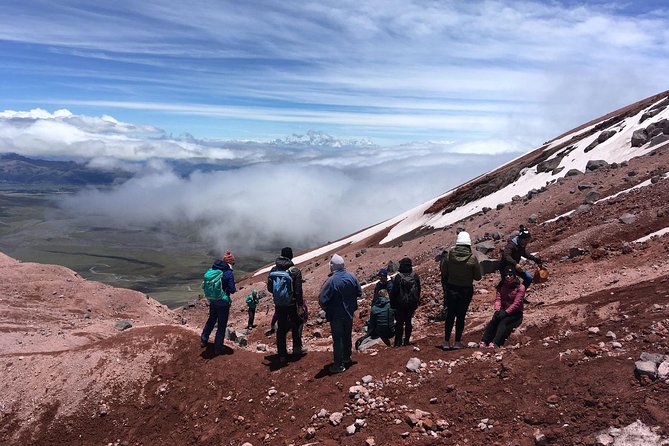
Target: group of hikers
{"points": [[393, 305]]}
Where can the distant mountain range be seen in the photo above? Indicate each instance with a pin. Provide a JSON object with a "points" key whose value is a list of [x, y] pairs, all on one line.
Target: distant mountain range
{"points": [[21, 170]]}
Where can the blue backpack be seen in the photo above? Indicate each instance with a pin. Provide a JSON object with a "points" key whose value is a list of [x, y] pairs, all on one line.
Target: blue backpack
{"points": [[212, 285], [282, 287]]}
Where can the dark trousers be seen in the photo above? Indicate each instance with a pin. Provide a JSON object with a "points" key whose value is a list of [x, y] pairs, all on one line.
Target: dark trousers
{"points": [[342, 330], [219, 310], [498, 329], [288, 319], [252, 316], [458, 299], [403, 325]]}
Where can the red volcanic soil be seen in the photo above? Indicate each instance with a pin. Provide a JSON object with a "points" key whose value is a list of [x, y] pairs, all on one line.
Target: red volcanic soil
{"points": [[70, 377]]}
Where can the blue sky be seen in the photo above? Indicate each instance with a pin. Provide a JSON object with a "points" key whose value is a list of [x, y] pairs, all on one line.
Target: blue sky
{"points": [[392, 71], [362, 95]]}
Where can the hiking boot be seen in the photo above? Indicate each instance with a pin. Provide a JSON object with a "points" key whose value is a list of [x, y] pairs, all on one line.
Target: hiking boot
{"points": [[458, 345], [283, 360], [334, 369], [446, 345], [348, 363], [406, 342], [300, 351]]}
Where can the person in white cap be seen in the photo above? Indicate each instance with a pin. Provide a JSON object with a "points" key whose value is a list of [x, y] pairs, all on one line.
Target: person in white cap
{"points": [[460, 270], [339, 298]]}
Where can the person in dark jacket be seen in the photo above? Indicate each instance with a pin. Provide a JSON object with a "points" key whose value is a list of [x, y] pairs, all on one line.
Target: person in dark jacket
{"points": [[381, 322], [339, 298], [219, 309], [508, 310], [404, 299], [381, 285], [515, 249], [289, 317], [460, 269]]}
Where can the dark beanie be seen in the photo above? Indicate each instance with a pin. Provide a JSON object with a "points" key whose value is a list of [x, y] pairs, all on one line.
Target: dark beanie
{"points": [[405, 265], [508, 271], [287, 252]]}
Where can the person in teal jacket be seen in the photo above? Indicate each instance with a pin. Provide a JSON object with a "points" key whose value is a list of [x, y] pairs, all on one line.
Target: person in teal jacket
{"points": [[252, 301]]}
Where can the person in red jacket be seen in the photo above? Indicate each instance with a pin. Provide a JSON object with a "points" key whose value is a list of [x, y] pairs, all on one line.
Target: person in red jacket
{"points": [[508, 310]]}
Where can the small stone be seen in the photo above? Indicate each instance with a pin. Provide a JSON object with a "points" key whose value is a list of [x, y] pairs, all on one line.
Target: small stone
{"points": [[367, 379], [311, 433], [335, 418], [593, 330], [413, 365], [645, 368], [323, 413], [122, 325], [553, 399], [370, 442], [540, 439], [272, 392], [616, 345], [663, 370], [610, 335], [350, 430], [433, 400], [604, 440]]}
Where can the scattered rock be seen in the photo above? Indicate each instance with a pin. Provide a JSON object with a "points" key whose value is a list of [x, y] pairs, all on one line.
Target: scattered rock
{"points": [[311, 433], [350, 430], [645, 368], [627, 219], [335, 418], [596, 164], [413, 365], [367, 379], [122, 325]]}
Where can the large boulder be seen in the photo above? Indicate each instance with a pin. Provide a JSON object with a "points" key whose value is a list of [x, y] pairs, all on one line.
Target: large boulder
{"points": [[596, 164], [548, 165], [489, 266], [639, 138], [485, 247]]}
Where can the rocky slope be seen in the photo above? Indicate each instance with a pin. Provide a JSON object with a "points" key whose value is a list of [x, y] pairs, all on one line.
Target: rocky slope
{"points": [[587, 366]]}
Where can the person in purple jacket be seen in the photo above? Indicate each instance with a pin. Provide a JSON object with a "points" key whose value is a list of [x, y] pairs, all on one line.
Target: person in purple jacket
{"points": [[508, 310]]}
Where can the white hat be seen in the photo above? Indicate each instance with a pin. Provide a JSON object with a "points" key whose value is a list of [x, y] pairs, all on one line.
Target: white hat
{"points": [[463, 239], [336, 263]]}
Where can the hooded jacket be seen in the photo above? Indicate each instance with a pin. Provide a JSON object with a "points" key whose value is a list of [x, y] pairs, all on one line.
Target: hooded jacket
{"points": [[285, 264], [513, 252], [381, 319], [510, 297], [460, 267], [227, 279]]}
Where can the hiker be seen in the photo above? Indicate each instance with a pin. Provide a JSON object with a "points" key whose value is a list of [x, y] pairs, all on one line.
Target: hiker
{"points": [[285, 284], [404, 298], [512, 253], [508, 310], [218, 292], [339, 298], [382, 285], [460, 269], [252, 302], [273, 324], [381, 322]]}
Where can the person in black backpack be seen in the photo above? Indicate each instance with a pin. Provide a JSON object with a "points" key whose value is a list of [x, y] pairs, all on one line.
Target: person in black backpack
{"points": [[404, 299], [289, 312], [219, 309]]}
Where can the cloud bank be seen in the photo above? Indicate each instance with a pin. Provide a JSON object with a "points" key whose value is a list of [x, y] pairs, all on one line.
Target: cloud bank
{"points": [[301, 189]]}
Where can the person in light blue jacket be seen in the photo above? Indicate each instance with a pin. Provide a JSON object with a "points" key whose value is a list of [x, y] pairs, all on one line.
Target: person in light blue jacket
{"points": [[339, 298]]}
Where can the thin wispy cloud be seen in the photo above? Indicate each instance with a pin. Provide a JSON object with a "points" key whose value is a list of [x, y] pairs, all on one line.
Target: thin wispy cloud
{"points": [[342, 65]]}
